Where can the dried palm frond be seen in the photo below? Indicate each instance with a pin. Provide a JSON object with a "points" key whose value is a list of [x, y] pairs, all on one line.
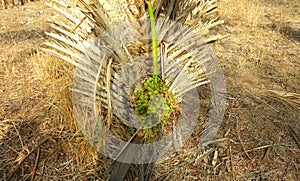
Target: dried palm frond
{"points": [[291, 99], [108, 41]]}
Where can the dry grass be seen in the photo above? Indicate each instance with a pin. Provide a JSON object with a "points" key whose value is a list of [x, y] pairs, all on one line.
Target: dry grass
{"points": [[258, 56], [247, 12], [44, 127], [258, 137], [78, 156]]}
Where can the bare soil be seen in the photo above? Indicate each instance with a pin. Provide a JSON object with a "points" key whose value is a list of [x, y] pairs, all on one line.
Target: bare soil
{"points": [[260, 59]]}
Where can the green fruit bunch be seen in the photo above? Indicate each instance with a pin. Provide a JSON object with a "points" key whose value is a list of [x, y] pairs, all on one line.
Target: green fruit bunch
{"points": [[155, 105]]}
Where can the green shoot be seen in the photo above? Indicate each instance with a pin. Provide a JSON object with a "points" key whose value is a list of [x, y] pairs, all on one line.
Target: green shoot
{"points": [[154, 43]]}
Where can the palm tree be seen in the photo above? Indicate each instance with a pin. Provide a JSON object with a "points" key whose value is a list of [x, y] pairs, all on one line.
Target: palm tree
{"points": [[110, 44]]}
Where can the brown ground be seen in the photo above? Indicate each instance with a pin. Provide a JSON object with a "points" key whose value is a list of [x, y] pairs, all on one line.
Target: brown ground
{"points": [[39, 140]]}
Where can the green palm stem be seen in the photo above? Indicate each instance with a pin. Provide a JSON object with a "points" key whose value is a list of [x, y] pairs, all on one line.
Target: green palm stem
{"points": [[154, 43]]}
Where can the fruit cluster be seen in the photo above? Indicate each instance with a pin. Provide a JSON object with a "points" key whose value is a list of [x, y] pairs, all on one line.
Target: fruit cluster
{"points": [[154, 105]]}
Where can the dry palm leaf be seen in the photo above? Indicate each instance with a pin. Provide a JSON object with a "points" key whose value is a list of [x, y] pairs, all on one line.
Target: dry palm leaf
{"points": [[291, 99]]}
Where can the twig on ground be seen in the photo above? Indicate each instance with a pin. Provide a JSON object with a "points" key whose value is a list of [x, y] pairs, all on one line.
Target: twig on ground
{"points": [[19, 136], [215, 158], [258, 148], [227, 133], [287, 168], [24, 159], [35, 165], [240, 139], [267, 153], [294, 135], [214, 141], [231, 161]]}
